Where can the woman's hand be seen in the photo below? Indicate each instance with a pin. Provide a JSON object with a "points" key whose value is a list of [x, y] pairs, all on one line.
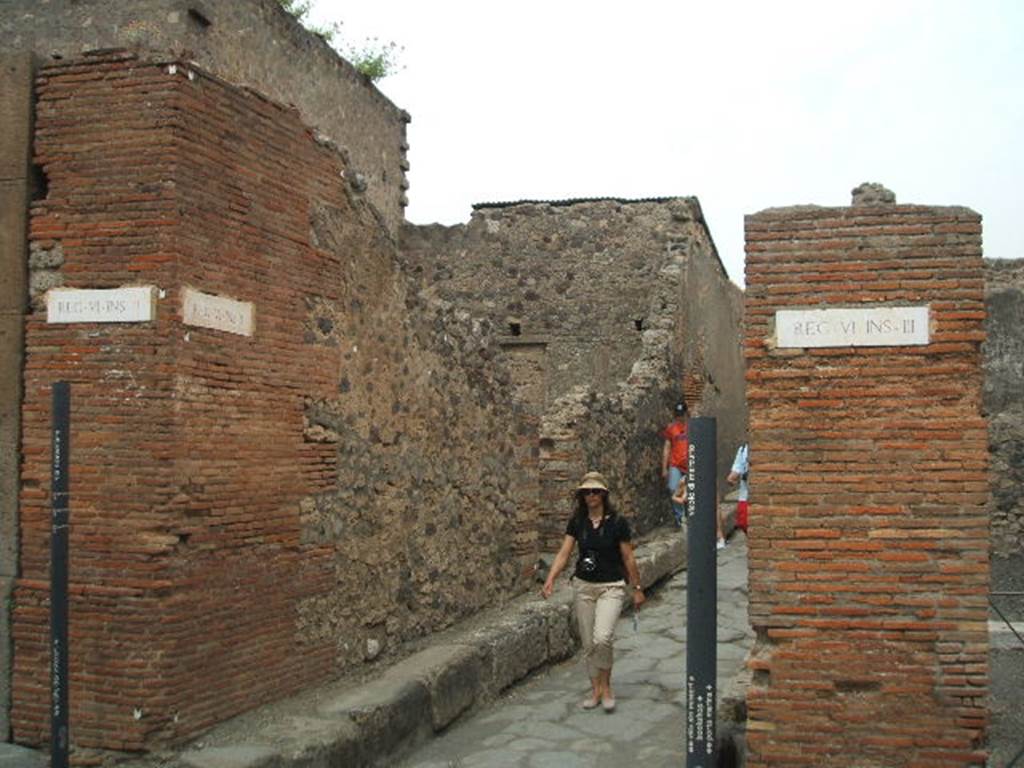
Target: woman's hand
{"points": [[626, 548], [556, 567]]}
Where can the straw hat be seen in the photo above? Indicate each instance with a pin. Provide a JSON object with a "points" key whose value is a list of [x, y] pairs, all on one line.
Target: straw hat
{"points": [[593, 480]]}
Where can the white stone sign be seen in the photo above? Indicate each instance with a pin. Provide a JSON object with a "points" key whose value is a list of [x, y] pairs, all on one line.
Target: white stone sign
{"points": [[217, 312], [134, 304], [861, 327]]}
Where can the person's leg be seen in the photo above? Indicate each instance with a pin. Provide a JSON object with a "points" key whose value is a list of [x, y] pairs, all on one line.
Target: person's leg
{"points": [[585, 604], [607, 611], [675, 476], [607, 695]]}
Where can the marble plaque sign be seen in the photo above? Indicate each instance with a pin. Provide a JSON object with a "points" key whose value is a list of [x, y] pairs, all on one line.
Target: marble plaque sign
{"points": [[220, 313], [849, 327], [131, 304]]}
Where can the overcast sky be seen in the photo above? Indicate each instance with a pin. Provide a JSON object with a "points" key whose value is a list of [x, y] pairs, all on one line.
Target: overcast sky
{"points": [[745, 105]]}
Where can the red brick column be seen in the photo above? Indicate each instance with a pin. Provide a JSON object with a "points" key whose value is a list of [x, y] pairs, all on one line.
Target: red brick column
{"points": [[868, 535], [188, 461]]}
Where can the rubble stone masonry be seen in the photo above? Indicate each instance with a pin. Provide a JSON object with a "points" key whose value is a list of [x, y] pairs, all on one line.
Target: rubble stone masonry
{"points": [[1004, 403], [252, 43], [869, 535], [613, 309], [250, 513]]}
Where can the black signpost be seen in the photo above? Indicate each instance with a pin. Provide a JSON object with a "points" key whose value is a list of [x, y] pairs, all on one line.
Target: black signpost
{"points": [[60, 500], [701, 594]]}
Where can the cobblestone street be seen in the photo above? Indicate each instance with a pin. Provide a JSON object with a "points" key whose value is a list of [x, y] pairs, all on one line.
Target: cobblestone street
{"points": [[539, 724]]}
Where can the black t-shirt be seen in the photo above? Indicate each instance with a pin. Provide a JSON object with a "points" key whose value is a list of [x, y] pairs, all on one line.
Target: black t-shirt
{"points": [[600, 559]]}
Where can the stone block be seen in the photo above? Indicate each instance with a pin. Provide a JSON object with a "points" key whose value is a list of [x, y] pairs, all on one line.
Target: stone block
{"points": [[13, 249], [563, 635], [16, 73], [453, 685], [450, 673], [11, 351], [514, 648], [232, 757], [662, 558], [312, 742], [10, 433], [389, 712]]}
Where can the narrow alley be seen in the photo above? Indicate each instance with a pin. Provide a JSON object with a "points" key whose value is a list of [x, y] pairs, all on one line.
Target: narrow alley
{"points": [[539, 724]]}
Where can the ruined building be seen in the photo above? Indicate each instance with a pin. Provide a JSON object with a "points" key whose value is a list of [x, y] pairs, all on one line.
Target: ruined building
{"points": [[304, 433]]}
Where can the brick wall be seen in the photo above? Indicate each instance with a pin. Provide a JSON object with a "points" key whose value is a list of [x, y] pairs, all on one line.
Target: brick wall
{"points": [[527, 363], [869, 531], [250, 514]]}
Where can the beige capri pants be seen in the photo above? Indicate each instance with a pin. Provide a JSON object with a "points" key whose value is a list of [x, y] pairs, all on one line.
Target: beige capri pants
{"points": [[598, 605]]}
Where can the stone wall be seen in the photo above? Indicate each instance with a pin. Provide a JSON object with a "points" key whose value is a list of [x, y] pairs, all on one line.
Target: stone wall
{"points": [[16, 75], [869, 536], [247, 42], [250, 513], [627, 306], [1004, 402], [585, 276]]}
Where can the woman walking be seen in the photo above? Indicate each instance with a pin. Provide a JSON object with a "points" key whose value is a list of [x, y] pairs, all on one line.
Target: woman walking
{"points": [[605, 568]]}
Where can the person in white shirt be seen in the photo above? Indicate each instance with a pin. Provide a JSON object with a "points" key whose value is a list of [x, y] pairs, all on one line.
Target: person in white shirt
{"points": [[740, 473]]}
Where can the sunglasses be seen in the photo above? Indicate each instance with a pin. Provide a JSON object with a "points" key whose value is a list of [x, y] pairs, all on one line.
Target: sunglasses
{"points": [[591, 491]]}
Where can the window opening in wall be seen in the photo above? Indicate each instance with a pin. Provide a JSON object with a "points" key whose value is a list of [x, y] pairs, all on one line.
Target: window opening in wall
{"points": [[40, 184], [639, 323], [197, 18], [515, 328]]}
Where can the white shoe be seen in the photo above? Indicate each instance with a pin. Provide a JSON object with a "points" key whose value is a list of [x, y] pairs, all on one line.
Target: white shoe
{"points": [[721, 544]]}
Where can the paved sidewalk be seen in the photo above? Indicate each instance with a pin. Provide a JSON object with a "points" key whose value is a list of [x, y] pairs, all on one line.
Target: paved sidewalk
{"points": [[539, 724]]}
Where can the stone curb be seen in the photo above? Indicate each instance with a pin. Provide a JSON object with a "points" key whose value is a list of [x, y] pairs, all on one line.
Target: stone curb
{"points": [[371, 724], [13, 756], [1003, 638]]}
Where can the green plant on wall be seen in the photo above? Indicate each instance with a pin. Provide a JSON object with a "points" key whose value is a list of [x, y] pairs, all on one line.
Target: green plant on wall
{"points": [[373, 58]]}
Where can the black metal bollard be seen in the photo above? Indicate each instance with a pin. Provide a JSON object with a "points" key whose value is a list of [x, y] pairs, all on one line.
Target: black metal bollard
{"points": [[60, 520], [701, 594]]}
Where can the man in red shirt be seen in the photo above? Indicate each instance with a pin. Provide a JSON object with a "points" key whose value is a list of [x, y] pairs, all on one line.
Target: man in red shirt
{"points": [[675, 462], [675, 457]]}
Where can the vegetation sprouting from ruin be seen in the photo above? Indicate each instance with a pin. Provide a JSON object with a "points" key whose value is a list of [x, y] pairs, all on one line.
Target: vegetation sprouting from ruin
{"points": [[373, 58]]}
